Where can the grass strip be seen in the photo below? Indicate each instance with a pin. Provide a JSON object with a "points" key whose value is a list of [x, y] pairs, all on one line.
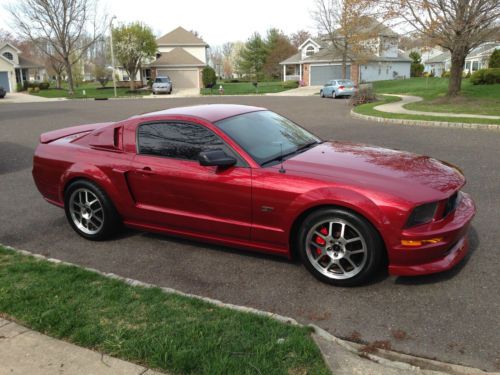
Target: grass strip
{"points": [[368, 109], [246, 88], [473, 99], [148, 326]]}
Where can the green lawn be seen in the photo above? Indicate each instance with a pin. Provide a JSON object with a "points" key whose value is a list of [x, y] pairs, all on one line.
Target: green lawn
{"points": [[147, 326], [474, 99], [92, 90], [245, 88], [368, 109]]}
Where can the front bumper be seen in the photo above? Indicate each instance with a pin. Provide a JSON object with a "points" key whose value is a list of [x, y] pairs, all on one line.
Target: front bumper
{"points": [[434, 257], [162, 89]]}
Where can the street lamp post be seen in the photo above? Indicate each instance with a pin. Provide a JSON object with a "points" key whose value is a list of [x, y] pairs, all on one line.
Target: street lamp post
{"points": [[112, 52]]}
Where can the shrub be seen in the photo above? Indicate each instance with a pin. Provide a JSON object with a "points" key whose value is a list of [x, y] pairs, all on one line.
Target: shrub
{"points": [[445, 74], [209, 77], [19, 87], [290, 84], [150, 83], [34, 84], [425, 74], [364, 94], [432, 74], [25, 85], [486, 76], [491, 76], [44, 85], [494, 61]]}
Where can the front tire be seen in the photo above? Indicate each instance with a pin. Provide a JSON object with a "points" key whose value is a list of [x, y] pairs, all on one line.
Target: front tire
{"points": [[322, 94], [89, 211], [339, 247]]}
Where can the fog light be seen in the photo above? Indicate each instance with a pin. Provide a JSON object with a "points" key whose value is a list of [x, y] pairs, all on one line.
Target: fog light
{"points": [[415, 243]]}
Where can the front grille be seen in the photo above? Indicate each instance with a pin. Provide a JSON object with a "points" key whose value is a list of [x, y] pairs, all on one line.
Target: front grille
{"points": [[450, 204]]}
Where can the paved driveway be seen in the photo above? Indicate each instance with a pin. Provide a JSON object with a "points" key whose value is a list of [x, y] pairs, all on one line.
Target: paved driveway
{"points": [[452, 316]]}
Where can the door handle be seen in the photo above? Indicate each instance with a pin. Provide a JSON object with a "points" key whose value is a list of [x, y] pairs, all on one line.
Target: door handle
{"points": [[146, 171]]}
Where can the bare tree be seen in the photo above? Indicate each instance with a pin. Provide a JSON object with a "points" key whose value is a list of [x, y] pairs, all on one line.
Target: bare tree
{"points": [[299, 37], [456, 25], [217, 59], [62, 24], [346, 25]]}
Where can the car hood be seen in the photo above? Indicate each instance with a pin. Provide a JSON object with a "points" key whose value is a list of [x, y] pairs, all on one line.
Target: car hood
{"points": [[413, 177]]}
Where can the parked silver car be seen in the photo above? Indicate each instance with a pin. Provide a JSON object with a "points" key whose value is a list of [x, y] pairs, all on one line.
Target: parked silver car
{"points": [[162, 85], [338, 87]]}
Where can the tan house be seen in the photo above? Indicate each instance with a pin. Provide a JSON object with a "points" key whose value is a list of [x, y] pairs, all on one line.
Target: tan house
{"points": [[181, 56], [15, 69]]}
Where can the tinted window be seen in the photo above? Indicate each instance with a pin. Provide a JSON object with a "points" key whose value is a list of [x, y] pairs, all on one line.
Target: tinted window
{"points": [[345, 82], [180, 141], [265, 135]]}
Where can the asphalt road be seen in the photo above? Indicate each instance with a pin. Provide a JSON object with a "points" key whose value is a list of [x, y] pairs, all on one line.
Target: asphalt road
{"points": [[454, 316]]}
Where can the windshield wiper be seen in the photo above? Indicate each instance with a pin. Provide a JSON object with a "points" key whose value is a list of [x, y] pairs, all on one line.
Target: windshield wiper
{"points": [[294, 152]]}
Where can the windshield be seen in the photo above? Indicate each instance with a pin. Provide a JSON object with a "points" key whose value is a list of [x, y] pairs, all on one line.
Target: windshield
{"points": [[265, 135], [162, 80]]}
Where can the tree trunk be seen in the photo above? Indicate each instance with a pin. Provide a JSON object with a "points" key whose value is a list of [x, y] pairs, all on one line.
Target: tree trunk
{"points": [[456, 70], [71, 87], [344, 61], [58, 79], [132, 80]]}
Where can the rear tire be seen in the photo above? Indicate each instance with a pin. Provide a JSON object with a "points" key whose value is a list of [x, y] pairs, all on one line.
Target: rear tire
{"points": [[90, 212], [322, 94], [334, 95], [339, 247]]}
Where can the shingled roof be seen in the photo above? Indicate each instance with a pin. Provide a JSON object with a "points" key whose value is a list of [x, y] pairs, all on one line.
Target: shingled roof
{"points": [[180, 37], [177, 57]]}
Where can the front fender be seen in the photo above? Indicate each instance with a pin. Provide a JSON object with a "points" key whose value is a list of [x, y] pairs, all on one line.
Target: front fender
{"points": [[341, 197]]}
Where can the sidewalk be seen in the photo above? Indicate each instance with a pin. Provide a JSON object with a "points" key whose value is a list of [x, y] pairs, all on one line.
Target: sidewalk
{"points": [[301, 91], [19, 97], [23, 351], [397, 107]]}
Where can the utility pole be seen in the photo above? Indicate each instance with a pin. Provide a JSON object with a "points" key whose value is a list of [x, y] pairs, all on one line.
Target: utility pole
{"points": [[112, 52]]}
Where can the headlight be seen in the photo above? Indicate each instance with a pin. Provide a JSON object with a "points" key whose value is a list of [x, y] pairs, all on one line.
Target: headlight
{"points": [[422, 214]]}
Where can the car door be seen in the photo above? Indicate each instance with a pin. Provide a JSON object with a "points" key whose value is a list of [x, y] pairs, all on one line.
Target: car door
{"points": [[171, 189], [327, 90]]}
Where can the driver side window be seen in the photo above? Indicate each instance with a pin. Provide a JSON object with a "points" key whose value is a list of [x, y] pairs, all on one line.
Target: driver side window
{"points": [[177, 140]]}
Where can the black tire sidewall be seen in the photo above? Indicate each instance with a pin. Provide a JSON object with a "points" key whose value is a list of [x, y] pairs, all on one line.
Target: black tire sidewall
{"points": [[111, 218], [371, 237]]}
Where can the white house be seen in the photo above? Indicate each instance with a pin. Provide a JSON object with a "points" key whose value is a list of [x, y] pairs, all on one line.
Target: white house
{"points": [[475, 60], [15, 69], [318, 61]]}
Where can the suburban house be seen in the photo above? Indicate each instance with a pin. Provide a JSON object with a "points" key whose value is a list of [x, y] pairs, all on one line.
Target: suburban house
{"points": [[15, 69], [475, 60], [318, 61], [181, 56]]}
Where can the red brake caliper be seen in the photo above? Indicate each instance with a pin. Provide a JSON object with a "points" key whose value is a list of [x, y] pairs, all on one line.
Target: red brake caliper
{"points": [[320, 241]]}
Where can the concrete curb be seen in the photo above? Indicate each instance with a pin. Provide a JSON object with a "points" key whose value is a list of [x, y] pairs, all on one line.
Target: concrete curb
{"points": [[425, 123], [395, 360]]}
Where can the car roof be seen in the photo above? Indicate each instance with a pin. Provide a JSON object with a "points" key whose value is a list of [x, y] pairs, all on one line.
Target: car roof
{"points": [[209, 112]]}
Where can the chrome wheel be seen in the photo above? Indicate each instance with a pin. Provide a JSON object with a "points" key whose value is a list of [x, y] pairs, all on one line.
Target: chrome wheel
{"points": [[86, 211], [336, 249]]}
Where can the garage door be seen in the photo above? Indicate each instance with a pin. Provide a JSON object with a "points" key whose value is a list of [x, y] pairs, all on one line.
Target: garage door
{"points": [[181, 78], [4, 81], [322, 74]]}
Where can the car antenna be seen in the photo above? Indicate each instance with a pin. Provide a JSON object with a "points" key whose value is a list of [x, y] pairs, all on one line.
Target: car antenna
{"points": [[282, 170]]}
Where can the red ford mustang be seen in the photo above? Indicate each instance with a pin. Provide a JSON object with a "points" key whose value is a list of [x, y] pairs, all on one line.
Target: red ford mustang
{"points": [[250, 178]]}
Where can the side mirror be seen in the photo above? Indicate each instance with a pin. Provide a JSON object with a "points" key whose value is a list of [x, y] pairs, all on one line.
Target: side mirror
{"points": [[216, 158]]}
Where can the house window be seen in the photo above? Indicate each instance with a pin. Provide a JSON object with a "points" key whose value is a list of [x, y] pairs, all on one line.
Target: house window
{"points": [[8, 55], [467, 65], [475, 65], [310, 51]]}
